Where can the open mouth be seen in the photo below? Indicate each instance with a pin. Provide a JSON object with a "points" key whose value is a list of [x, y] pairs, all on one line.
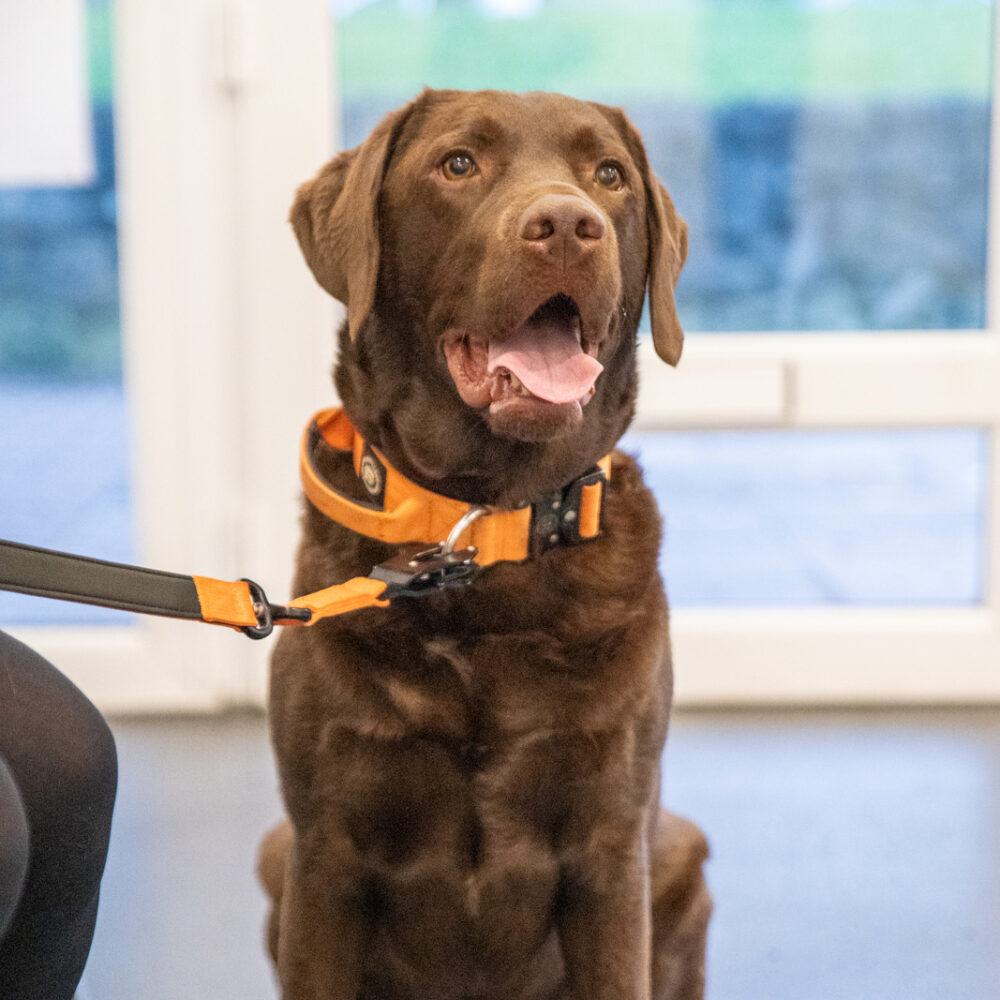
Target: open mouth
{"points": [[544, 362]]}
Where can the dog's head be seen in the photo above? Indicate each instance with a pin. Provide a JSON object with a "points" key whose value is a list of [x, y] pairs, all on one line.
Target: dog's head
{"points": [[493, 251]]}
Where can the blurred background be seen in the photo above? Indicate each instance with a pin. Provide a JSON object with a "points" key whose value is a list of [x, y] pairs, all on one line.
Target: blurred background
{"points": [[825, 457]]}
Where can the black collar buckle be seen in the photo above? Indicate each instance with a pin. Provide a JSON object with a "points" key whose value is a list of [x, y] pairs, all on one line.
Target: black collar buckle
{"points": [[556, 520], [426, 572]]}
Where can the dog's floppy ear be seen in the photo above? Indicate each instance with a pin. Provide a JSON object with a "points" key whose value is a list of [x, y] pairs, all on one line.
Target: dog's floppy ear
{"points": [[668, 245], [335, 218], [668, 239]]}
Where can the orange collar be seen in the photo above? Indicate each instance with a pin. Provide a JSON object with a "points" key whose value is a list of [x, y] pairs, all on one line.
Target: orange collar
{"points": [[400, 511]]}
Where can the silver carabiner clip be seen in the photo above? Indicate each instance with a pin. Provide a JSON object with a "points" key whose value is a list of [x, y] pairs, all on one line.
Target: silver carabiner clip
{"points": [[448, 546]]}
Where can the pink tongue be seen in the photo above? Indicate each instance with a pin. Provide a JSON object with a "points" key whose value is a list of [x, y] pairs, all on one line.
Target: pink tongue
{"points": [[548, 360]]}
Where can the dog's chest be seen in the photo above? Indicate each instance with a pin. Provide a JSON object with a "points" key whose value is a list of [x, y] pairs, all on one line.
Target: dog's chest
{"points": [[466, 817]]}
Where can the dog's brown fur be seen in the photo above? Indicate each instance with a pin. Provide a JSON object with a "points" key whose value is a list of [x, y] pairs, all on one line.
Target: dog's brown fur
{"points": [[472, 778]]}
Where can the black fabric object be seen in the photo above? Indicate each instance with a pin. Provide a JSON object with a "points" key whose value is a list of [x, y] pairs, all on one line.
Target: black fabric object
{"points": [[58, 777], [13, 846]]}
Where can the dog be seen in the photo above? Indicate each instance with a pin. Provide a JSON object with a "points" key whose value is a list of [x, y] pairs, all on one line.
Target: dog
{"points": [[471, 778]]}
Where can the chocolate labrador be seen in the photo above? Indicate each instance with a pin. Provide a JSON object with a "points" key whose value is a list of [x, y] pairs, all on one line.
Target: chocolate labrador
{"points": [[472, 778]]}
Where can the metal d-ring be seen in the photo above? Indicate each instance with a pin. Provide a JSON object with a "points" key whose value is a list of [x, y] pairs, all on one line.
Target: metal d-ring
{"points": [[463, 522]]}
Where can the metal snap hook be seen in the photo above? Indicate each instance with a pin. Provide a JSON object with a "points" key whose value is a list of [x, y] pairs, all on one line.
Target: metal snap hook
{"points": [[463, 522]]}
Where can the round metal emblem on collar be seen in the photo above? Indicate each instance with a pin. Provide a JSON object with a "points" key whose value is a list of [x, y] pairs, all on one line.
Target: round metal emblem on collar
{"points": [[372, 475]]}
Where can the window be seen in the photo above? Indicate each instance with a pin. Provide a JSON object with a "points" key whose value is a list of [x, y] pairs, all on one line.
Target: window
{"points": [[825, 454]]}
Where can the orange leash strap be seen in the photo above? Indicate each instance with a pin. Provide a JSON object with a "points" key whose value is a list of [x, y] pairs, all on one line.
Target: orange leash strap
{"points": [[243, 605]]}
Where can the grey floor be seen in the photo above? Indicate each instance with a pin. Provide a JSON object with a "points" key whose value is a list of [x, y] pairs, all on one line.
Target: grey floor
{"points": [[855, 855]]}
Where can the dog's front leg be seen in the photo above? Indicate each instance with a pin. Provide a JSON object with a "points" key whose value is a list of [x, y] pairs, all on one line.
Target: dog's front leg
{"points": [[605, 924], [323, 932]]}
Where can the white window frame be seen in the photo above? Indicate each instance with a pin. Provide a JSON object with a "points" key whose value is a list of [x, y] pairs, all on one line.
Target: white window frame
{"points": [[864, 381], [221, 111]]}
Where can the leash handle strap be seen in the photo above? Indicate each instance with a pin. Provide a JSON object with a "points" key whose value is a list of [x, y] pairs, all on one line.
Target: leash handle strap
{"points": [[45, 573], [239, 604]]}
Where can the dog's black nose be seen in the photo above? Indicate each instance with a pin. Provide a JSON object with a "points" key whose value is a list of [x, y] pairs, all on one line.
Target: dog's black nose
{"points": [[563, 225]]}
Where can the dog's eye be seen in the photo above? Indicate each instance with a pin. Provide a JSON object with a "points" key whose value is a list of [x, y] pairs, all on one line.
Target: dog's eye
{"points": [[458, 166], [608, 174]]}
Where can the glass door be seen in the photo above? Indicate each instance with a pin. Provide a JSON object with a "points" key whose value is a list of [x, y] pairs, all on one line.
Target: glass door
{"points": [[150, 403]]}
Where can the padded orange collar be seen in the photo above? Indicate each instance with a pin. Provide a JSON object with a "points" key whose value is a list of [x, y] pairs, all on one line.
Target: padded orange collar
{"points": [[400, 511]]}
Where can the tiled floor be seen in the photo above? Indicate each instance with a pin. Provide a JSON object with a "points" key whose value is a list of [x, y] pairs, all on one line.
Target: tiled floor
{"points": [[856, 855]]}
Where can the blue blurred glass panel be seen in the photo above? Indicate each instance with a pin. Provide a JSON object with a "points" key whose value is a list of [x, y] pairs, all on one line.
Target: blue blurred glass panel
{"points": [[64, 439], [820, 517]]}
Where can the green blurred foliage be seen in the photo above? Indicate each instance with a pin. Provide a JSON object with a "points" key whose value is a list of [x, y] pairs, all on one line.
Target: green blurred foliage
{"points": [[710, 52], [100, 38]]}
